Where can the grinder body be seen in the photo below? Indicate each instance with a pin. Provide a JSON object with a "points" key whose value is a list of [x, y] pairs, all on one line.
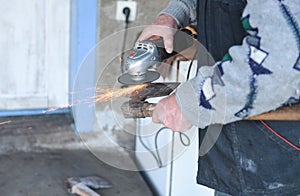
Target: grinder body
{"points": [[150, 53]]}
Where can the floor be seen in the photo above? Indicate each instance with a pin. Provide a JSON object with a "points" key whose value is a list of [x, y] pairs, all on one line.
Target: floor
{"points": [[27, 168], [41, 174]]}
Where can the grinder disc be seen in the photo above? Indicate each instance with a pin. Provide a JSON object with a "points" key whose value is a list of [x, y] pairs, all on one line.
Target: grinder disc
{"points": [[149, 76]]}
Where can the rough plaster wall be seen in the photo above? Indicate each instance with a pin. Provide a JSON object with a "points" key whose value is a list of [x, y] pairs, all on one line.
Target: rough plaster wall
{"points": [[146, 13], [110, 31]]}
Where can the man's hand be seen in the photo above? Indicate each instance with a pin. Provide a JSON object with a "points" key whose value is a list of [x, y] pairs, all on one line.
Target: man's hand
{"points": [[164, 26], [167, 112]]}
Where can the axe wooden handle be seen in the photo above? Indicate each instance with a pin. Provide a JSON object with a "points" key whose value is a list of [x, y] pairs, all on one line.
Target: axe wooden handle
{"points": [[145, 109], [137, 109]]}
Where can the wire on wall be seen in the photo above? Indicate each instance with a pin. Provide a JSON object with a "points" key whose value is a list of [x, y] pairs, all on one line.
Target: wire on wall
{"points": [[126, 12]]}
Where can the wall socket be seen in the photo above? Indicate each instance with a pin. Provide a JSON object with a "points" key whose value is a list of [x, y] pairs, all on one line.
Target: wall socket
{"points": [[132, 5]]}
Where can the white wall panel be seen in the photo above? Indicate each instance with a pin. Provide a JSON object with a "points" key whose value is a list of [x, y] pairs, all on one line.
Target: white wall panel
{"points": [[34, 53]]}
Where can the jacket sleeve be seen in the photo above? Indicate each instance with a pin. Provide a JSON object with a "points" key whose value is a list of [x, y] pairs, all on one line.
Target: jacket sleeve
{"points": [[183, 11], [260, 75]]}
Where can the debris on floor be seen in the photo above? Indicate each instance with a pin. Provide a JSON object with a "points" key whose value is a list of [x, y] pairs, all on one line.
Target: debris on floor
{"points": [[83, 186]]}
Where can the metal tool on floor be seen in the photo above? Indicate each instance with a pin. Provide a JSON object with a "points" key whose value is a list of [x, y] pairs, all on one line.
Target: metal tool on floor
{"points": [[83, 186]]}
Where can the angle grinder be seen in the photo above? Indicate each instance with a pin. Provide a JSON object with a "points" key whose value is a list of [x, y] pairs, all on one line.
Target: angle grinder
{"points": [[150, 53]]}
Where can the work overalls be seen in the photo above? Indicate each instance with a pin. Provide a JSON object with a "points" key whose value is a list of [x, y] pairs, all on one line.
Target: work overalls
{"points": [[249, 157]]}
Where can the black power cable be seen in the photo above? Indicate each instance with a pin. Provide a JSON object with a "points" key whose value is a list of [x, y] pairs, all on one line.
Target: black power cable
{"points": [[155, 156], [126, 12], [185, 142]]}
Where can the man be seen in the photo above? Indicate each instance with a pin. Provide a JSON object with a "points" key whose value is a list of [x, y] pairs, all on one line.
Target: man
{"points": [[262, 74]]}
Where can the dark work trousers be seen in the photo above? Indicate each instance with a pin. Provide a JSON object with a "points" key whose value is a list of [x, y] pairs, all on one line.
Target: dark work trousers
{"points": [[249, 157]]}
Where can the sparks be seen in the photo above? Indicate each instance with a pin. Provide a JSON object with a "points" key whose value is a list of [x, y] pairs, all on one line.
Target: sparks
{"points": [[122, 92], [104, 94], [57, 108]]}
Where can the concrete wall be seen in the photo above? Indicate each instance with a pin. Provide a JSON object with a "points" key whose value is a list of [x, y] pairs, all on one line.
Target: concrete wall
{"points": [[146, 13], [111, 31], [110, 39]]}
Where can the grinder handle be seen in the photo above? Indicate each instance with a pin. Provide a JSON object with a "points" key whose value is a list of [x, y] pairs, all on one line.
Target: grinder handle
{"points": [[183, 39]]}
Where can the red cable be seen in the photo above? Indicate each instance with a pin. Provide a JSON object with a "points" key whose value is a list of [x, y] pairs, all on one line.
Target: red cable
{"points": [[280, 136]]}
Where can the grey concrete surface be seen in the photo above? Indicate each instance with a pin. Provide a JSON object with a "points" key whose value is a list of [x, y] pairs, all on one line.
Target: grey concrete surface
{"points": [[38, 153], [43, 174]]}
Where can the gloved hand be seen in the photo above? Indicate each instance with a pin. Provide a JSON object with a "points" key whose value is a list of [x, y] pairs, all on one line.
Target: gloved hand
{"points": [[164, 26], [167, 112]]}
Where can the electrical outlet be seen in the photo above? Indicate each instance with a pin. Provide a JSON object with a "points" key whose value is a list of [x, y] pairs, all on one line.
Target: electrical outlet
{"points": [[132, 5]]}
